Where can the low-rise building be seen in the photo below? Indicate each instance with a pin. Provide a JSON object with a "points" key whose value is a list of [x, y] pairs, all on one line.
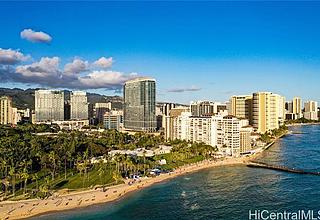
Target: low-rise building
{"points": [[142, 152], [68, 125]]}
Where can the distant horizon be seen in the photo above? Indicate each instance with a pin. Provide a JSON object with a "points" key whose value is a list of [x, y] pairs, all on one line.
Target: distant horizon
{"points": [[195, 50]]}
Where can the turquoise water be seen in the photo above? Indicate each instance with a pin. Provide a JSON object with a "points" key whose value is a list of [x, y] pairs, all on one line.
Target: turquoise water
{"points": [[226, 193]]}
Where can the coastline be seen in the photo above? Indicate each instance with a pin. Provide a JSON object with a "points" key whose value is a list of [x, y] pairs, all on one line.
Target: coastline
{"points": [[303, 124], [33, 207], [81, 199]]}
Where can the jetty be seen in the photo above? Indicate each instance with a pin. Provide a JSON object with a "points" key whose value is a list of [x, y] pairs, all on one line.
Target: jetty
{"points": [[257, 164]]}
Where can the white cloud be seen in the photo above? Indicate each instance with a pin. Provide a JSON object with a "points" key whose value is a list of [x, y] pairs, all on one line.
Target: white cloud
{"points": [[47, 72], [77, 66], [104, 62], [11, 57], [105, 79], [35, 36], [45, 68]]}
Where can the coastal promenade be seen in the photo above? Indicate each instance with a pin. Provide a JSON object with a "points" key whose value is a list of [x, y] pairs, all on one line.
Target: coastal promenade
{"points": [[27, 208]]}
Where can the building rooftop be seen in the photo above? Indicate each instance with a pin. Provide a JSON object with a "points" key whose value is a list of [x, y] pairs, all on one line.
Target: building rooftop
{"points": [[140, 79], [48, 91]]}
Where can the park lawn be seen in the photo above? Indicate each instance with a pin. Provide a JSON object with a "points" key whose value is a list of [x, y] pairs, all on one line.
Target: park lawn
{"points": [[175, 163], [78, 181]]}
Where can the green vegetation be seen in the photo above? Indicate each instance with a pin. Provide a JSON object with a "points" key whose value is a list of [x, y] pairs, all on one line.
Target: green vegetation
{"points": [[39, 159], [271, 135], [185, 153], [302, 120]]}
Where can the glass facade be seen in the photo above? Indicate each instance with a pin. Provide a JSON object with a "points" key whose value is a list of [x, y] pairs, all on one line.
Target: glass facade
{"points": [[140, 105]]}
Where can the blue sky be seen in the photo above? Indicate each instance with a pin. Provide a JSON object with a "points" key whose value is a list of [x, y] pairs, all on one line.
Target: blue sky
{"points": [[195, 50]]}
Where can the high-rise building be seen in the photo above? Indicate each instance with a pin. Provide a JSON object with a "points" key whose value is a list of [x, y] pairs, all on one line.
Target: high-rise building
{"points": [[265, 116], [100, 109], [241, 107], [207, 108], [219, 131], [289, 107], [166, 107], [281, 102], [49, 105], [202, 108], [5, 110], [168, 122], [311, 110], [165, 115], [227, 135], [78, 105], [67, 110], [297, 107], [140, 105], [16, 116], [201, 129], [245, 139], [113, 120]]}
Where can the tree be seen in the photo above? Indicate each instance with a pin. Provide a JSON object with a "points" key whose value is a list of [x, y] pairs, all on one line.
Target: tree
{"points": [[52, 159], [25, 177], [12, 174], [35, 178], [101, 171]]}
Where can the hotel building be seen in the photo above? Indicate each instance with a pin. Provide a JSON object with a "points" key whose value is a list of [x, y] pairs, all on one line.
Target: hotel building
{"points": [[78, 105], [220, 131], [297, 107], [140, 105], [5, 110], [207, 108], [311, 110], [241, 107], [49, 105], [227, 134], [265, 115], [100, 109], [245, 139], [113, 120], [202, 108], [169, 121]]}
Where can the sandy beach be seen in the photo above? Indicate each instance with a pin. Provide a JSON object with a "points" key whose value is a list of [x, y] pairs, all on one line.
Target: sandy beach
{"points": [[32, 207]]}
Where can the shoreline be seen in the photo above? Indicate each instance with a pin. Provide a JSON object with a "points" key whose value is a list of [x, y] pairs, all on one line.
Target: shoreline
{"points": [[35, 207], [303, 124]]}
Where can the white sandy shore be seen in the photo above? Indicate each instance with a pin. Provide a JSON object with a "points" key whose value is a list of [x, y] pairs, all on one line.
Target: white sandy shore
{"points": [[32, 207]]}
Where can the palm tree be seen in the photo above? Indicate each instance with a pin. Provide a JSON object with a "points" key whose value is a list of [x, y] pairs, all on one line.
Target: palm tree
{"points": [[86, 162], [52, 159], [4, 167], [25, 176], [12, 173], [101, 171], [35, 177], [6, 184], [144, 162]]}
